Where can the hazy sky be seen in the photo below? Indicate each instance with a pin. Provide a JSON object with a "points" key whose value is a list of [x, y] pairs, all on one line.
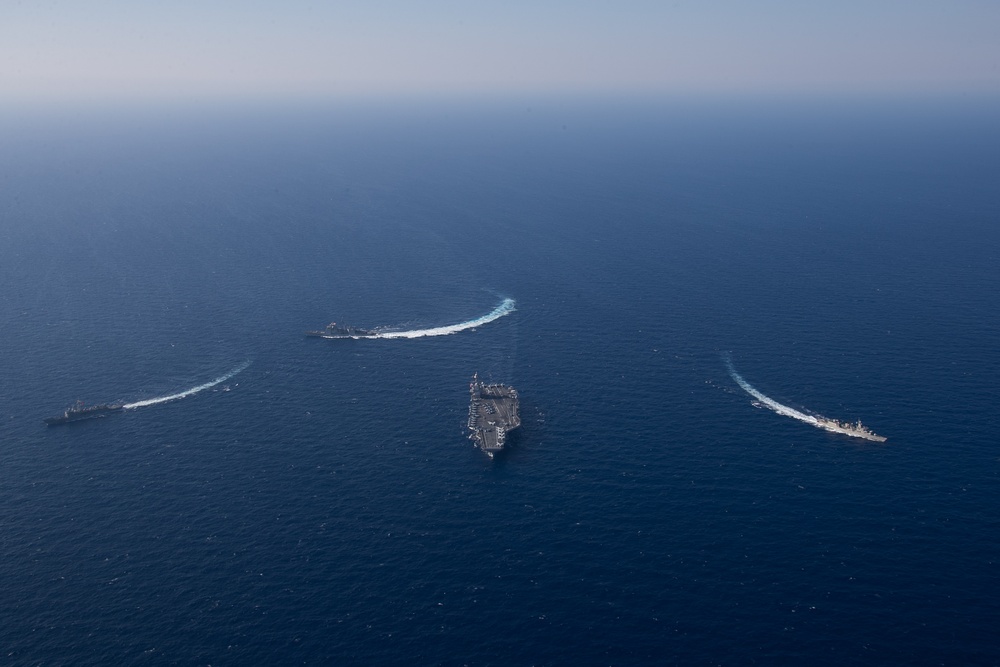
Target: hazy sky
{"points": [[72, 48]]}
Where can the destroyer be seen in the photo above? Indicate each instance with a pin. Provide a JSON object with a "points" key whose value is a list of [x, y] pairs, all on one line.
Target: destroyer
{"points": [[78, 412], [333, 330], [854, 430], [493, 412]]}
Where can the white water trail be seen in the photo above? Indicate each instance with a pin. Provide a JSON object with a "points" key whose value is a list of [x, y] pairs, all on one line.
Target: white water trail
{"points": [[187, 392], [505, 308], [768, 401]]}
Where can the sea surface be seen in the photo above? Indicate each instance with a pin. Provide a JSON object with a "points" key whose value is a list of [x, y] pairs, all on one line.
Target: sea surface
{"points": [[323, 505]]}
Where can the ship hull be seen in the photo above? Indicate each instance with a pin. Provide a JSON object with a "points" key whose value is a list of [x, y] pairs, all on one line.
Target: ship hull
{"points": [[342, 332], [853, 433], [72, 416], [320, 334], [849, 429]]}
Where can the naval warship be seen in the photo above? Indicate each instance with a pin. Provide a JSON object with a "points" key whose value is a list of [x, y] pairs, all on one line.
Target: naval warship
{"points": [[333, 330], [79, 412], [854, 430], [493, 412]]}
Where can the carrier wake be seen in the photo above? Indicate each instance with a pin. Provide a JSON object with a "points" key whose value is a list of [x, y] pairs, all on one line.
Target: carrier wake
{"points": [[333, 330], [79, 411], [856, 430]]}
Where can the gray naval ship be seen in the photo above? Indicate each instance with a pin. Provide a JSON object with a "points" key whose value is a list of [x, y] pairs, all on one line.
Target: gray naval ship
{"points": [[333, 330], [493, 412], [79, 412]]}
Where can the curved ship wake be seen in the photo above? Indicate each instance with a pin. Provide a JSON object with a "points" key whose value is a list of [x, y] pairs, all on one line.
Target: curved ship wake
{"points": [[79, 411], [506, 307], [187, 392], [844, 428]]}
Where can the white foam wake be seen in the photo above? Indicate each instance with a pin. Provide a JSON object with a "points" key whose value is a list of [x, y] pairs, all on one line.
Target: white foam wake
{"points": [[768, 401], [187, 392], [819, 421], [505, 308]]}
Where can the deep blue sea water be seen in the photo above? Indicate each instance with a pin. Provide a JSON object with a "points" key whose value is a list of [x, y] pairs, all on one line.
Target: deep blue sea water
{"points": [[329, 509]]}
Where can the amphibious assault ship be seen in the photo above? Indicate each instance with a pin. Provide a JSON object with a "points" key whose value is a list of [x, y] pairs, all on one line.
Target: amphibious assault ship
{"points": [[78, 412], [493, 412], [855, 430], [333, 330]]}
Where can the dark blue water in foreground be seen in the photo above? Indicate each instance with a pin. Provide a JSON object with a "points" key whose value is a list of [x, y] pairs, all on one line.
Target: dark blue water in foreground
{"points": [[328, 508]]}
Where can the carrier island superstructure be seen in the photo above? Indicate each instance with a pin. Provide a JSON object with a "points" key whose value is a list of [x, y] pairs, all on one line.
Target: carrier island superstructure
{"points": [[493, 412]]}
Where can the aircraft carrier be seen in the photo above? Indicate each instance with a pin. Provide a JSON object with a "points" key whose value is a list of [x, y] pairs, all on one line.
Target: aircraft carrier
{"points": [[493, 412]]}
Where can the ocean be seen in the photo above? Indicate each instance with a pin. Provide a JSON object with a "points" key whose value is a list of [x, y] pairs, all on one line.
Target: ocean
{"points": [[310, 501]]}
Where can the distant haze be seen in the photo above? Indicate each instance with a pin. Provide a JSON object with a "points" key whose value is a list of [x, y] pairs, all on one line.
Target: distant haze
{"points": [[115, 48]]}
